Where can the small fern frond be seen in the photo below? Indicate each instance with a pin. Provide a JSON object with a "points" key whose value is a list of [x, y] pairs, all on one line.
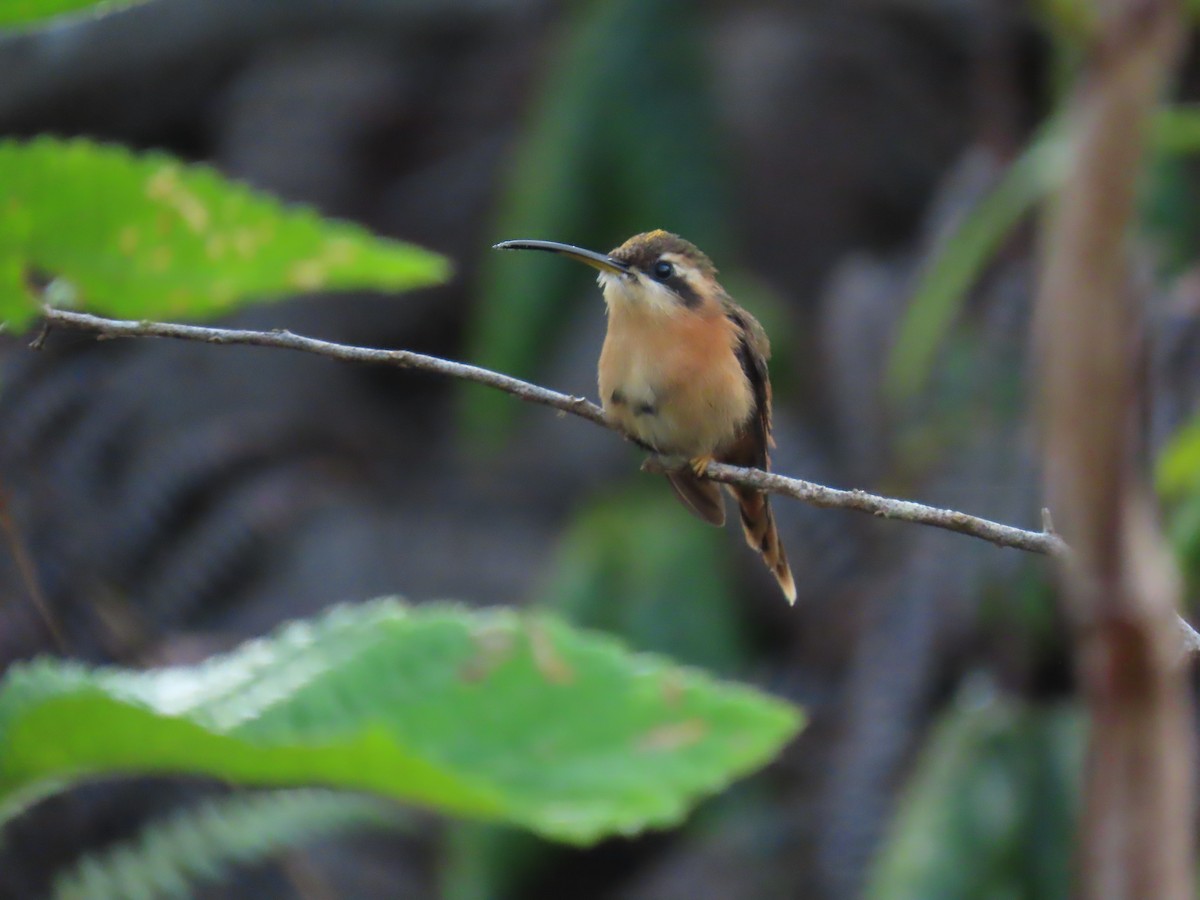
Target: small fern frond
{"points": [[204, 843]]}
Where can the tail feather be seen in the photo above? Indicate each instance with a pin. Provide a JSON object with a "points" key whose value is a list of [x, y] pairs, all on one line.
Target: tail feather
{"points": [[758, 524], [702, 498]]}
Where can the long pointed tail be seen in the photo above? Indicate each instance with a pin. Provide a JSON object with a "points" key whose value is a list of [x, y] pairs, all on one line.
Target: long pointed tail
{"points": [[758, 523]]}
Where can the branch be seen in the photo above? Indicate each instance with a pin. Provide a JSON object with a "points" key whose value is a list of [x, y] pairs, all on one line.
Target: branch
{"points": [[819, 495], [1045, 541], [286, 340]]}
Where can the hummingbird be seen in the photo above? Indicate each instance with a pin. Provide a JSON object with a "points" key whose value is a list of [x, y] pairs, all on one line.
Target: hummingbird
{"points": [[683, 372]]}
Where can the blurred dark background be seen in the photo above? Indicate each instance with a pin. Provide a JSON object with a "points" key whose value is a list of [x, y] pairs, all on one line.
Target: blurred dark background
{"points": [[177, 498]]}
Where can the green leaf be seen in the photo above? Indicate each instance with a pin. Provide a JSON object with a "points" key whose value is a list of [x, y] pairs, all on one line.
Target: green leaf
{"points": [[170, 857], [483, 714], [636, 565], [33, 12], [1169, 207], [1071, 22], [1177, 129], [145, 236], [957, 263], [1177, 481], [1177, 474]]}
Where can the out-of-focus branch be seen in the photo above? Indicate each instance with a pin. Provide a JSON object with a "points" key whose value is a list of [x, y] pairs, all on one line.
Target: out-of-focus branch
{"points": [[1136, 829], [1045, 541]]}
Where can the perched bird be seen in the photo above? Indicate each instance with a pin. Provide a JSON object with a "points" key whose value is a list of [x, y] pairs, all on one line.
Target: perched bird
{"points": [[683, 372]]}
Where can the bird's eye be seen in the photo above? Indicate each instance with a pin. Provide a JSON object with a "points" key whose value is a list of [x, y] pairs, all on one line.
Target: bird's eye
{"points": [[663, 270]]}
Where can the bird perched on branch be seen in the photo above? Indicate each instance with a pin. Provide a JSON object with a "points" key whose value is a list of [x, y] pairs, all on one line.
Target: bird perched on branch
{"points": [[683, 372]]}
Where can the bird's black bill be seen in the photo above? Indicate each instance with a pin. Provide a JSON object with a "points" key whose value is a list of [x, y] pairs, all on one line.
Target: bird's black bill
{"points": [[599, 261]]}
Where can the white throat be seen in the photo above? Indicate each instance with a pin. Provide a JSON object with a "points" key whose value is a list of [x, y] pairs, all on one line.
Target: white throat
{"points": [[637, 292]]}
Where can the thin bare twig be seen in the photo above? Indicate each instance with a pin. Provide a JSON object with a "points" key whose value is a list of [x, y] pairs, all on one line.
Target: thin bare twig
{"points": [[806, 491], [286, 340], [885, 507]]}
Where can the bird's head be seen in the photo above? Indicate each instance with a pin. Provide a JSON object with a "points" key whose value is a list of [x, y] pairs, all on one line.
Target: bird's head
{"points": [[656, 271]]}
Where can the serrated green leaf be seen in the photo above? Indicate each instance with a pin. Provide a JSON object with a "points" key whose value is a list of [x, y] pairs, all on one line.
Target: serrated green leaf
{"points": [[636, 565], [33, 12], [485, 714], [146, 236], [171, 856]]}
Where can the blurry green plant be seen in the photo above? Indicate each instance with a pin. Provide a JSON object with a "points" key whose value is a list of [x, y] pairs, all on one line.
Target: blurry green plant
{"points": [[989, 811], [173, 856], [30, 13], [1177, 480], [621, 142], [1178, 473], [958, 261], [145, 235], [632, 561]]}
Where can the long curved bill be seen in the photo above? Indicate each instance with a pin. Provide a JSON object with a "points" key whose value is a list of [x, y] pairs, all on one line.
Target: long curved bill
{"points": [[600, 261]]}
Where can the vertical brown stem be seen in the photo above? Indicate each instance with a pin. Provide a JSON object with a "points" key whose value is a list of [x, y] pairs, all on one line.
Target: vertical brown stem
{"points": [[1135, 834]]}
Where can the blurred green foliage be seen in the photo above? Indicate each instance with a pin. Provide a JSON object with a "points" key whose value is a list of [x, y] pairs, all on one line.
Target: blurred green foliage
{"points": [[20, 13], [635, 564], [622, 141], [1169, 210], [173, 856], [484, 714], [146, 236], [956, 264], [488, 862], [989, 812], [1178, 472], [1177, 479], [1170, 203], [1177, 130]]}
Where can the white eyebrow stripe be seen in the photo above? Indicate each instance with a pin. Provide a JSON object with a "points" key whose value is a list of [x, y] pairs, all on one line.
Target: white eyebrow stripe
{"points": [[683, 267]]}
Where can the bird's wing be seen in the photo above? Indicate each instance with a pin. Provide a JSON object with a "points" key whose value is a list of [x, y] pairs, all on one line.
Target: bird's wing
{"points": [[753, 350]]}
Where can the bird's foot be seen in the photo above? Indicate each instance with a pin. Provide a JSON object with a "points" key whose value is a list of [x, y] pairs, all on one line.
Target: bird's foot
{"points": [[699, 464]]}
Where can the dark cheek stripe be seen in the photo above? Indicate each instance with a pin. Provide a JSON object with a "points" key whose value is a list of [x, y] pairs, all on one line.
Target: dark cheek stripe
{"points": [[689, 297]]}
